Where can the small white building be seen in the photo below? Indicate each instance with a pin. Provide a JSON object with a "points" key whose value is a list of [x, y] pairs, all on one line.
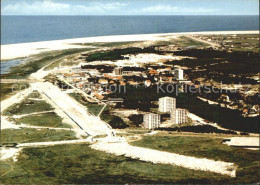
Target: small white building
{"points": [[178, 74], [118, 70], [166, 104], [151, 121], [179, 116]]}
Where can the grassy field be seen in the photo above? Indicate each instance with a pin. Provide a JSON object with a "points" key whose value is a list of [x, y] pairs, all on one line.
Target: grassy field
{"points": [[49, 119], [70, 60], [25, 135], [79, 164], [28, 106], [209, 147], [8, 89]]}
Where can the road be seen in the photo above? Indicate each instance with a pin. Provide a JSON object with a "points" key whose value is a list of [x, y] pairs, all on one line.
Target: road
{"points": [[156, 156], [205, 41], [75, 111], [51, 143]]}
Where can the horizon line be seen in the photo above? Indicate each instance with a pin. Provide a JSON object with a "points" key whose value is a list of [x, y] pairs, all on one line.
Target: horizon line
{"points": [[140, 15]]}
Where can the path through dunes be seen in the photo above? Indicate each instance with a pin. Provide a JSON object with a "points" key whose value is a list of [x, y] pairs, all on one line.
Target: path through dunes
{"points": [[156, 156]]}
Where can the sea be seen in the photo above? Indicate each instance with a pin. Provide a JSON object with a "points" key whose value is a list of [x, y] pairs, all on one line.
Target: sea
{"points": [[22, 29]]}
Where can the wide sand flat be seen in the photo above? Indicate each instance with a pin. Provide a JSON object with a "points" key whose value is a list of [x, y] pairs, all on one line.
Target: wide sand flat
{"points": [[12, 51]]}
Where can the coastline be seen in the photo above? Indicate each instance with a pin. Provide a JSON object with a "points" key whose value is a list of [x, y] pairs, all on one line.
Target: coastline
{"points": [[20, 50]]}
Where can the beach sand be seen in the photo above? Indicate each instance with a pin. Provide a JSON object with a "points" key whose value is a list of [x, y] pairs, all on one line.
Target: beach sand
{"points": [[12, 51]]}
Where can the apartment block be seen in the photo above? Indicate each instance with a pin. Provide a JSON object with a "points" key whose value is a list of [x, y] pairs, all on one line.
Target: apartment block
{"points": [[166, 104], [179, 116], [151, 121]]}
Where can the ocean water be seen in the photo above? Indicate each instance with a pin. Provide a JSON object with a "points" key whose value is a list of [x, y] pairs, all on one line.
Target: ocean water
{"points": [[22, 29], [6, 66]]}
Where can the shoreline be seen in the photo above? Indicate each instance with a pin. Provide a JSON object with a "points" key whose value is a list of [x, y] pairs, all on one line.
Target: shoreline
{"points": [[20, 50]]}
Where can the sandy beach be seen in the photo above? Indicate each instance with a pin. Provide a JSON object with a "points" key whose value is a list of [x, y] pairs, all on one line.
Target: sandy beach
{"points": [[12, 51]]}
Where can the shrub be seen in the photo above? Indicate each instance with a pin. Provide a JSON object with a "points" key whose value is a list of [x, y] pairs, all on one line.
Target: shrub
{"points": [[117, 122], [136, 119]]}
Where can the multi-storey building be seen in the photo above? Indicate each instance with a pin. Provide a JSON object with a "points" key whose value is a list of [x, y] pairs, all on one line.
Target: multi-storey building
{"points": [[166, 104], [151, 121], [178, 74], [179, 116]]}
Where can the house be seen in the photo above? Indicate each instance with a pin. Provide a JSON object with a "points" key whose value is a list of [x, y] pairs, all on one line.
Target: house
{"points": [[166, 79], [131, 82], [153, 72], [224, 98], [75, 80], [99, 96], [147, 83], [103, 81], [122, 83]]}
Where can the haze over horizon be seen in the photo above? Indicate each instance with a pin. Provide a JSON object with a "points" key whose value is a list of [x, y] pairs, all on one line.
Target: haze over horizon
{"points": [[129, 7]]}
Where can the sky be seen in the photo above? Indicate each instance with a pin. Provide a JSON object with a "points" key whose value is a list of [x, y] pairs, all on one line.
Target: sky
{"points": [[129, 7]]}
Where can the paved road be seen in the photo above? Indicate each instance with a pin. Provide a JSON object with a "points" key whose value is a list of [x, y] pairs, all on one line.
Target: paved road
{"points": [[75, 111]]}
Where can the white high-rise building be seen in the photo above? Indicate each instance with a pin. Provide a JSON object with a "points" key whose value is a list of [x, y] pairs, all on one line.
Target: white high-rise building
{"points": [[151, 121], [179, 116], [178, 74], [166, 104]]}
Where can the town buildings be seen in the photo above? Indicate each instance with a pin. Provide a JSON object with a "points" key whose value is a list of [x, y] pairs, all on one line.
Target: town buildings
{"points": [[166, 104], [151, 121]]}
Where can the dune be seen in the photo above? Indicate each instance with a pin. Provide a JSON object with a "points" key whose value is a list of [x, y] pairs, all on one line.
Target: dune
{"points": [[12, 51]]}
